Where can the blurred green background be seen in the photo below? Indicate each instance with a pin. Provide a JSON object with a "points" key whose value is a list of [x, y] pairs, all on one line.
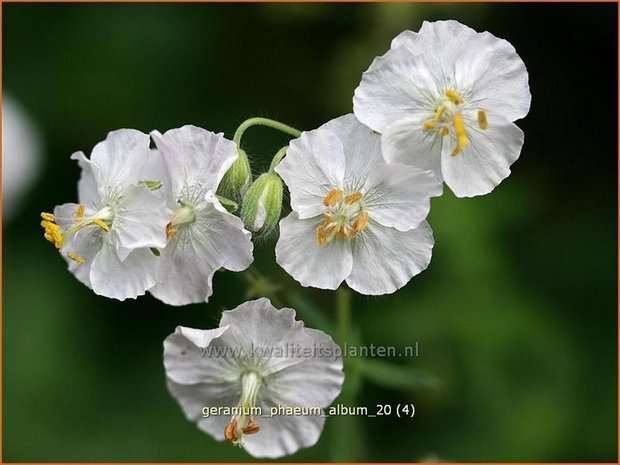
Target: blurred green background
{"points": [[516, 316]]}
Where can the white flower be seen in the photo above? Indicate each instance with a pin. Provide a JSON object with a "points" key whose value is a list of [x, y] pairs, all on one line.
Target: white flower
{"points": [[107, 235], [258, 360], [444, 99], [355, 217], [21, 154], [202, 236]]}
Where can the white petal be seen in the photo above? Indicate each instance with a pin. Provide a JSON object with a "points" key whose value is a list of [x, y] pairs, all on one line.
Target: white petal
{"points": [[122, 280], [385, 259], [194, 397], [140, 220], [120, 159], [187, 362], [186, 266], [196, 160], [362, 149], [443, 41], [400, 195], [228, 235], [282, 435], [396, 85], [407, 142], [299, 253], [486, 160], [87, 185], [314, 165], [493, 77]]}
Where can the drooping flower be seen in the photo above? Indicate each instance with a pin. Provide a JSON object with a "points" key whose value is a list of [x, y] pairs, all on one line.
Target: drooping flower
{"points": [[107, 236], [202, 235], [355, 217], [260, 380], [445, 99]]}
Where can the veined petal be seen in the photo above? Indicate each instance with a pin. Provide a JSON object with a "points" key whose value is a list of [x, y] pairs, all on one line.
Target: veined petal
{"points": [[407, 142], [120, 159], [399, 195], [493, 77], [385, 259], [196, 160], [88, 190], [485, 161], [140, 220], [362, 150], [314, 165], [299, 253], [187, 362], [122, 280], [397, 84]]}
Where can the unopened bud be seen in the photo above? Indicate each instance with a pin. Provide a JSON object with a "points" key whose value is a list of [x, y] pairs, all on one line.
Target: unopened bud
{"points": [[262, 204], [237, 179]]}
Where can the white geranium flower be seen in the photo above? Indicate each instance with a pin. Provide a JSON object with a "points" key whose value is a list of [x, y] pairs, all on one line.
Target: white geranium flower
{"points": [[107, 235], [445, 99], [355, 218], [260, 361], [22, 146], [202, 236]]}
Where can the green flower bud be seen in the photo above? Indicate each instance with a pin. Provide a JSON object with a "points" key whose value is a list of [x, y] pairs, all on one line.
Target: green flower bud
{"points": [[262, 204], [237, 178]]}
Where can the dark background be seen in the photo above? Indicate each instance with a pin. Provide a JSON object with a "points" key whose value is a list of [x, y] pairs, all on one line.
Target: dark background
{"points": [[516, 315]]}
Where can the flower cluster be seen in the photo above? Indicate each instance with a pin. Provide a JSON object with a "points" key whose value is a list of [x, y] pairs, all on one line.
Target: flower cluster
{"points": [[150, 220], [438, 107]]}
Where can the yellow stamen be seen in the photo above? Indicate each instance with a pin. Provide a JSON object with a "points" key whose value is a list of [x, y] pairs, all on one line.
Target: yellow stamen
{"points": [[332, 197], [454, 97], [360, 223], [171, 231], [75, 258], [352, 198], [79, 212], [230, 432], [101, 224], [439, 113], [444, 131], [52, 232], [251, 427], [321, 237], [461, 136], [428, 125], [47, 216], [482, 120]]}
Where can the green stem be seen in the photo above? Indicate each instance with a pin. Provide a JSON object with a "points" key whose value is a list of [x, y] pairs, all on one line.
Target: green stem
{"points": [[285, 128], [343, 314], [277, 158]]}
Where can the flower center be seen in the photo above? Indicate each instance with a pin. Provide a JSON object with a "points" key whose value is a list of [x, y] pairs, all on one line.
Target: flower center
{"points": [[102, 219], [243, 422], [448, 116], [344, 217], [185, 214]]}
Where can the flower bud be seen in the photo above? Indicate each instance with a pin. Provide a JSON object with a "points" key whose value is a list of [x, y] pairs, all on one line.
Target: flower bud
{"points": [[237, 178], [262, 203]]}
